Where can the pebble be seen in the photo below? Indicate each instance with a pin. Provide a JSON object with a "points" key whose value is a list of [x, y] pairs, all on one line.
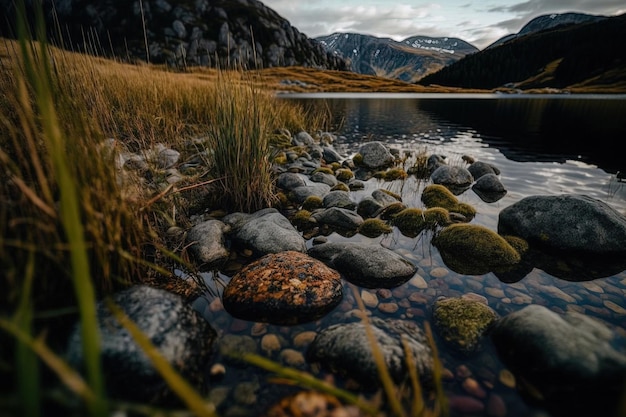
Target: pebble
{"points": [[472, 296], [418, 298], [292, 357], [270, 343], [304, 338], [495, 292], [384, 293], [439, 272], [388, 308], [614, 307], [369, 299], [472, 387], [466, 405], [418, 282], [217, 370], [507, 378], [258, 329]]}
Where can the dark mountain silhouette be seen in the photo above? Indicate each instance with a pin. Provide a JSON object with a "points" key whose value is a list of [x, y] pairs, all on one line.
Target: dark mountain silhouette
{"points": [[235, 33], [564, 57], [408, 60], [549, 21]]}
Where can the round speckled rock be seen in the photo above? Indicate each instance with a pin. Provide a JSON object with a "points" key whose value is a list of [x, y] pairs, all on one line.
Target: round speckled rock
{"points": [[283, 288]]}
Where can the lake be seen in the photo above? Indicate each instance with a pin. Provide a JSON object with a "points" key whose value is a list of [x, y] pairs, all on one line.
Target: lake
{"points": [[542, 145]]}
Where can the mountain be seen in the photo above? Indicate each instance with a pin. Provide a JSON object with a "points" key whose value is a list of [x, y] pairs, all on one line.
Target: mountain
{"points": [[549, 21], [225, 33], [408, 60], [574, 56]]}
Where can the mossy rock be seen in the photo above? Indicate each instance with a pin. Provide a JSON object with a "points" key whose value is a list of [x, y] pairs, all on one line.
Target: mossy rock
{"points": [[412, 221], [374, 228], [312, 202], [474, 250], [462, 323], [344, 174], [303, 220], [437, 195], [341, 187], [389, 211], [357, 159], [395, 174], [391, 193]]}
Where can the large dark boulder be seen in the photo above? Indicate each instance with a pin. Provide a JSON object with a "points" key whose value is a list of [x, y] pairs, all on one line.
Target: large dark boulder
{"points": [[564, 362], [180, 334]]}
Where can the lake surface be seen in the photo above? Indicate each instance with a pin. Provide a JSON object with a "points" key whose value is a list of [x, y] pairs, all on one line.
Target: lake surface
{"points": [[543, 145]]}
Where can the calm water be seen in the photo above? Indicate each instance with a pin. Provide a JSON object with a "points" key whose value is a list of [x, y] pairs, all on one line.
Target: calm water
{"points": [[545, 145]]}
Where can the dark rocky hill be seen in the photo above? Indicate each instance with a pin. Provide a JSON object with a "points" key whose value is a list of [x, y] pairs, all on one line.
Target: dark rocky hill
{"points": [[408, 60], [548, 22], [562, 57], [235, 33]]}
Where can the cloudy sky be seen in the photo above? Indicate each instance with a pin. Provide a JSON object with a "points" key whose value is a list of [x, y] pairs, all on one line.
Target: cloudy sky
{"points": [[479, 22]]}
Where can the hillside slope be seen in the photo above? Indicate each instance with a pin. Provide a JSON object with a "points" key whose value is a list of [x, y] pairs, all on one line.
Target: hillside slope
{"points": [[569, 57], [224, 33]]}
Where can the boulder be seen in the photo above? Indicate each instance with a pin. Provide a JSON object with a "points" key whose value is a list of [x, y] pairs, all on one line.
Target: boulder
{"points": [[283, 288]]}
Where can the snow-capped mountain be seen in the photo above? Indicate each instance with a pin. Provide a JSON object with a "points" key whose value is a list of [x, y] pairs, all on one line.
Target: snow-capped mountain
{"points": [[407, 60]]}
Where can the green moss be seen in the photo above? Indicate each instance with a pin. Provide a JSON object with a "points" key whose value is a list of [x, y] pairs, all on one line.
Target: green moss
{"points": [[374, 228], [344, 174], [325, 170], [474, 250], [391, 210], [437, 195], [302, 220], [395, 174], [312, 202], [280, 159], [519, 244], [357, 159], [437, 216], [410, 221], [341, 186], [335, 166], [462, 323]]}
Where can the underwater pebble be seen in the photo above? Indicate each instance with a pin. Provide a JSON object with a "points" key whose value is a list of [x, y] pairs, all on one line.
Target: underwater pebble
{"points": [[258, 329], [388, 308], [472, 387], [245, 393], [292, 357], [369, 299], [439, 272], [418, 282], [466, 405], [270, 343], [418, 298], [304, 338], [217, 370], [496, 406], [472, 296], [495, 292], [614, 307], [507, 378]]}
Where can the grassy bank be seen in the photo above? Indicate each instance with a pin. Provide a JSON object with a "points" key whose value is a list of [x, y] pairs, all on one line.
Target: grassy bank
{"points": [[73, 228]]}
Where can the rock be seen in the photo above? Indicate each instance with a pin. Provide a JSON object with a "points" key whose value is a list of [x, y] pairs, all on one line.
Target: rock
{"points": [[566, 361], [265, 231], [455, 178], [570, 223], [290, 180], [345, 348], [338, 218], [283, 288], [375, 155], [369, 266], [324, 178], [462, 323], [437, 195], [207, 243], [480, 168], [299, 194], [489, 188], [339, 199], [180, 334], [474, 250]]}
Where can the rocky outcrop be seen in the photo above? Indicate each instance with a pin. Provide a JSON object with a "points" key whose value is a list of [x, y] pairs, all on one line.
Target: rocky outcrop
{"points": [[224, 33]]}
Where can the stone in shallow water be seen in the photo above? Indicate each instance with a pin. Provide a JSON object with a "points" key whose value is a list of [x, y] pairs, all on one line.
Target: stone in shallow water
{"points": [[346, 349], [283, 288]]}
